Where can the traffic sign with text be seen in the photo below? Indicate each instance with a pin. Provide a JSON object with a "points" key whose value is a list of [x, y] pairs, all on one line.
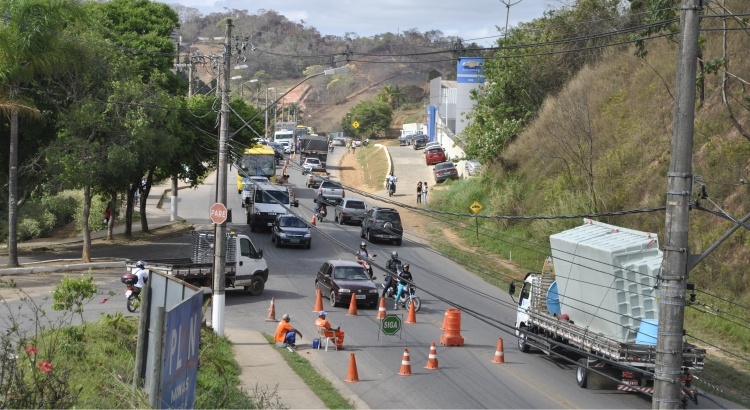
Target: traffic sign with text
{"points": [[218, 213], [391, 325]]}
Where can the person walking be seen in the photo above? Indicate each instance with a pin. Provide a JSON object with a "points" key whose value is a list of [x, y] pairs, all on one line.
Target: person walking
{"points": [[424, 193], [107, 214], [286, 333], [348, 146], [419, 192]]}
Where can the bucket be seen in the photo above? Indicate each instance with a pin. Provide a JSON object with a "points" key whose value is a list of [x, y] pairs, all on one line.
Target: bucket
{"points": [[316, 343]]}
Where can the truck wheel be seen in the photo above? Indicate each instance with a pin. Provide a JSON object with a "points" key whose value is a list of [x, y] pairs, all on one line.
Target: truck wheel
{"points": [[582, 373], [522, 345], [256, 286]]}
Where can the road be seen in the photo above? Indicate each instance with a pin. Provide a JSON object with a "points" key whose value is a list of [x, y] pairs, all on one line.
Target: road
{"points": [[467, 377]]}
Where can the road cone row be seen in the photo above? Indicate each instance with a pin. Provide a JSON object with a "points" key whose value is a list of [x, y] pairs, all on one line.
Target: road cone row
{"points": [[313, 220], [432, 362], [271, 312], [499, 353]]}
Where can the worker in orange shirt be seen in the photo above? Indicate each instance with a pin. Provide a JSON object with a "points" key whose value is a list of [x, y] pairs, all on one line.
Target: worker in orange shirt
{"points": [[330, 331], [286, 333]]}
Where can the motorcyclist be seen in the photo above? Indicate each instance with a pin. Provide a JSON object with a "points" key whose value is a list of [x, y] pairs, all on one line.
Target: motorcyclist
{"points": [[321, 206], [391, 179], [390, 279], [363, 257], [404, 279], [142, 274]]}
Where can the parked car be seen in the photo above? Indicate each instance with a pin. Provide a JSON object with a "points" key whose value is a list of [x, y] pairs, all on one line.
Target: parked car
{"points": [[350, 210], [289, 229], [445, 170], [405, 139], [382, 224], [419, 141], [473, 167], [339, 280], [341, 142], [434, 155], [432, 144]]}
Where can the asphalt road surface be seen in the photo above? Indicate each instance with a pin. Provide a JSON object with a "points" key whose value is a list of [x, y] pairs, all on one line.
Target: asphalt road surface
{"points": [[466, 378]]}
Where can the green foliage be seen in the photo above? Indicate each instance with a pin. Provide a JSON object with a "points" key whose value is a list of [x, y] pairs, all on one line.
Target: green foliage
{"points": [[374, 119], [73, 293]]}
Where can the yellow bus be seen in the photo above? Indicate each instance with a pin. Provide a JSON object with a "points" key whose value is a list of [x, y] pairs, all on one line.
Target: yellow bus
{"points": [[257, 161]]}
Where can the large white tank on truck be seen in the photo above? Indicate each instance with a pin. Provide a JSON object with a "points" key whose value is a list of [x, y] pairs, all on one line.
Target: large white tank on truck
{"points": [[606, 278]]}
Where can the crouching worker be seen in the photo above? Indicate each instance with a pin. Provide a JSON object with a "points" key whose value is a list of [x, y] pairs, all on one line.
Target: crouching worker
{"points": [[321, 322], [286, 333]]}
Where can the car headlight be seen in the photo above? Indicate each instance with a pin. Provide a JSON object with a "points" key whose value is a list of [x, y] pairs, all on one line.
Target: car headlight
{"points": [[308, 235], [345, 290], [282, 235], [256, 211]]}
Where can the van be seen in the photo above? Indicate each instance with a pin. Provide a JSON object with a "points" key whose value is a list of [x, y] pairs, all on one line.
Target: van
{"points": [[266, 203]]}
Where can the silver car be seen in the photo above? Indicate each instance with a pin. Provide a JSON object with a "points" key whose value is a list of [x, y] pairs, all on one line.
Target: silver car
{"points": [[350, 210], [473, 167]]}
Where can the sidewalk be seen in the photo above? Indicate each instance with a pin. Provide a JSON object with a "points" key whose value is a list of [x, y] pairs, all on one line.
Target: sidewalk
{"points": [[262, 366]]}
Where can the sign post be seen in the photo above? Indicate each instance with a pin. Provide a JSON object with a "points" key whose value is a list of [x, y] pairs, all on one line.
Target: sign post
{"points": [[476, 207], [390, 325]]}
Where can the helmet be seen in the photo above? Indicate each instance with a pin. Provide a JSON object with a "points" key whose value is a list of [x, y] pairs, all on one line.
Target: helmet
{"points": [[394, 255], [363, 244], [140, 264], [406, 267]]}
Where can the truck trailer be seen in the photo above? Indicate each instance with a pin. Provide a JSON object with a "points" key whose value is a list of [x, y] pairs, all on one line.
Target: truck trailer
{"points": [[596, 299], [313, 146]]}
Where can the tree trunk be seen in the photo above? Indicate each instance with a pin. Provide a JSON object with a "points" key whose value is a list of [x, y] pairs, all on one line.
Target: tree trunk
{"points": [[144, 198], [86, 252], [13, 192]]}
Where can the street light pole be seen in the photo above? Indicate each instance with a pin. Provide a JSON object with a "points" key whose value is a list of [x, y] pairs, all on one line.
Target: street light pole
{"points": [[220, 237]]}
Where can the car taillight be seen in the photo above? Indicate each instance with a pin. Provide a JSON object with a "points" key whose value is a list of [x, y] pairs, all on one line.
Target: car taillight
{"points": [[628, 375]]}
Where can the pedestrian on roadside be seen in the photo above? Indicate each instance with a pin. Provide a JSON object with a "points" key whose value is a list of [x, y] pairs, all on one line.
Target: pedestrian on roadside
{"points": [[419, 192], [424, 193], [286, 333], [107, 214], [348, 146]]}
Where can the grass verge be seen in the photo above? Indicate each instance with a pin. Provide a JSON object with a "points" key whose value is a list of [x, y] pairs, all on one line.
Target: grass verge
{"points": [[373, 164], [319, 385]]}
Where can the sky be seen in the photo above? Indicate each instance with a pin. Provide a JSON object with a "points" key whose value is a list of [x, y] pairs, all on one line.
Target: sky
{"points": [[472, 20]]}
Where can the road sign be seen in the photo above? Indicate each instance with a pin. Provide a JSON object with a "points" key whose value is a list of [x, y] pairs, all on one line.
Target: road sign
{"points": [[476, 207], [391, 325], [218, 213], [355, 124]]}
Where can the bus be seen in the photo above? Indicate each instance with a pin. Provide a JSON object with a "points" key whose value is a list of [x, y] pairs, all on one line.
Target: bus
{"points": [[256, 161]]}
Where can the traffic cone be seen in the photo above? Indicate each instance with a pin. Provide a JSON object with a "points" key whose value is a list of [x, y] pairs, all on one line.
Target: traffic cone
{"points": [[313, 220], [318, 301], [353, 306], [352, 376], [381, 309], [499, 353], [445, 319], [405, 364], [432, 362], [452, 335], [412, 316], [271, 312]]}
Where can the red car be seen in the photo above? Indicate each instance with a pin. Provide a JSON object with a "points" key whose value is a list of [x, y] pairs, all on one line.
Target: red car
{"points": [[434, 155]]}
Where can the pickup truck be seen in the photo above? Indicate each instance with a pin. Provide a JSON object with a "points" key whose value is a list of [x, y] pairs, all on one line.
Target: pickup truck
{"points": [[314, 178], [332, 192], [245, 266]]}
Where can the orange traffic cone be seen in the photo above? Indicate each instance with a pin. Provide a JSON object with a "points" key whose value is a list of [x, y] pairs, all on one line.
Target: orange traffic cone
{"points": [[412, 316], [271, 312], [381, 310], [405, 364], [445, 320], [499, 354], [353, 306], [432, 362], [352, 376], [314, 219], [318, 301]]}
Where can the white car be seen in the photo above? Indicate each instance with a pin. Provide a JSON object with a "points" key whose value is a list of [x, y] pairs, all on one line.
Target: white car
{"points": [[311, 164]]}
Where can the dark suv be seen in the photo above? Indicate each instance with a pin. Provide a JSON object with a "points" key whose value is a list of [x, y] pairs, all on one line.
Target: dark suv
{"points": [[419, 141], [382, 224]]}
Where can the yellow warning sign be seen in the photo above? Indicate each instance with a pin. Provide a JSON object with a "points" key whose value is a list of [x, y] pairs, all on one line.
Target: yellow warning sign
{"points": [[355, 124], [476, 207]]}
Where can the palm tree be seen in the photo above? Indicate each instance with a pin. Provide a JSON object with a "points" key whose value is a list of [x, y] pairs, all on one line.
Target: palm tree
{"points": [[393, 95], [32, 44]]}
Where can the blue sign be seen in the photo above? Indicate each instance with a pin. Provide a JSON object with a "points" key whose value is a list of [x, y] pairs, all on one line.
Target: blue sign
{"points": [[470, 70], [179, 370]]}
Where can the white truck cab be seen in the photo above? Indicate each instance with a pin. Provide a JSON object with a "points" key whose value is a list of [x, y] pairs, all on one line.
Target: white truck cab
{"points": [[266, 202]]}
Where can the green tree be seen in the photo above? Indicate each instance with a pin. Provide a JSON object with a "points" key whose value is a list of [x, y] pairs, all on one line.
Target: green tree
{"points": [[31, 46], [392, 95], [374, 118]]}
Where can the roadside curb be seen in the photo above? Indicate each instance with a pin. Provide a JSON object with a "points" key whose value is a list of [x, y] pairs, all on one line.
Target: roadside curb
{"points": [[28, 270]]}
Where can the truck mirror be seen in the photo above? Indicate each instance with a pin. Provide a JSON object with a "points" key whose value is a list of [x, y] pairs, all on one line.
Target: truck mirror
{"points": [[260, 253], [512, 288]]}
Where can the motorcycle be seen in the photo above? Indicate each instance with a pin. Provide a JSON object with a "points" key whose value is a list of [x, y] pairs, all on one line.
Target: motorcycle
{"points": [[408, 295], [132, 292], [391, 188], [321, 209], [366, 264]]}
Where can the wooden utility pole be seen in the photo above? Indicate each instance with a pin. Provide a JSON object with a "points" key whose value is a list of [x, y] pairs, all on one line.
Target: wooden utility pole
{"points": [[674, 275], [220, 239]]}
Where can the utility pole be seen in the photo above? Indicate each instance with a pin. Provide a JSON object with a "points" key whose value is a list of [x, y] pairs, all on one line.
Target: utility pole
{"points": [[674, 275], [220, 237], [507, 14]]}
